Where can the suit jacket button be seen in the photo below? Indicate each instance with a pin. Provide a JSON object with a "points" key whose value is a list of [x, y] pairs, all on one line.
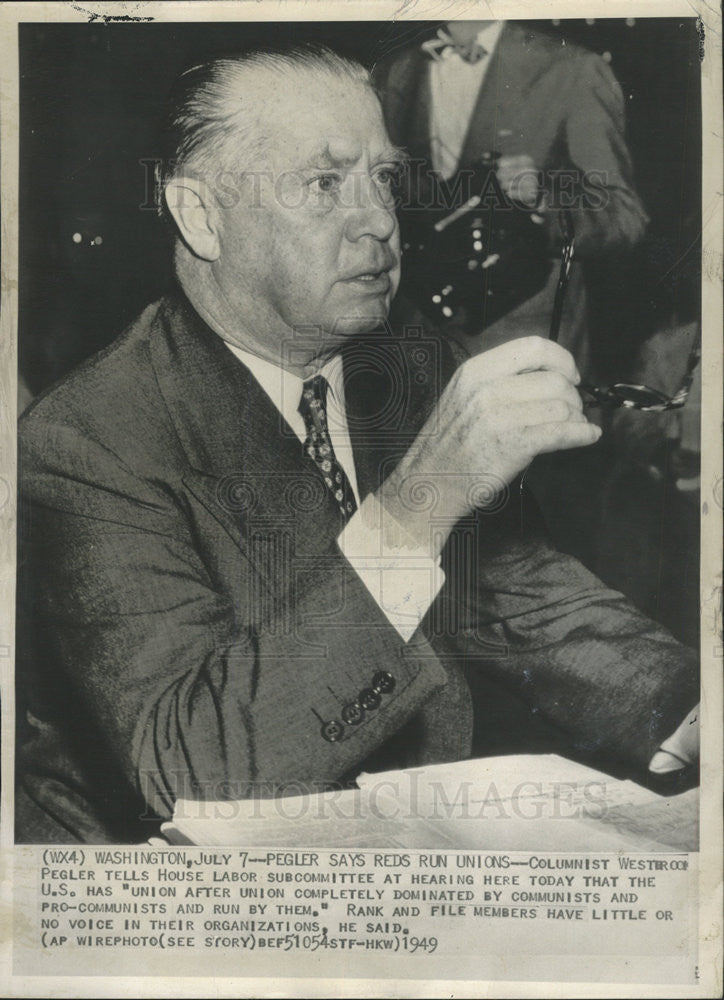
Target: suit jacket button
{"points": [[332, 731], [383, 682], [353, 713], [369, 699]]}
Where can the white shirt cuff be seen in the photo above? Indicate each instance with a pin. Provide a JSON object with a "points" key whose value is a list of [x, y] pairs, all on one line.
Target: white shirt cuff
{"points": [[403, 578]]}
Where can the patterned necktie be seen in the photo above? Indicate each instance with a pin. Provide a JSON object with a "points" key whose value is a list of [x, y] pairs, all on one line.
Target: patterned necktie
{"points": [[318, 444]]}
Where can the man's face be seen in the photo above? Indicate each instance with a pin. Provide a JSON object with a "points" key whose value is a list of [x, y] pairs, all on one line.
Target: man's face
{"points": [[312, 241]]}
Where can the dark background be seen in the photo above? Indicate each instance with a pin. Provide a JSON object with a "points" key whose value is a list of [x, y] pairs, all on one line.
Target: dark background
{"points": [[91, 97]]}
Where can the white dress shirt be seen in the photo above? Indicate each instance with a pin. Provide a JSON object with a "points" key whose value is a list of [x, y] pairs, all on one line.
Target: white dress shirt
{"points": [[454, 88], [403, 579]]}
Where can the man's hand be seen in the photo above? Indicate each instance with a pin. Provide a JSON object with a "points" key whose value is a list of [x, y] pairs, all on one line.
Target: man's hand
{"points": [[519, 180], [500, 409], [681, 749]]}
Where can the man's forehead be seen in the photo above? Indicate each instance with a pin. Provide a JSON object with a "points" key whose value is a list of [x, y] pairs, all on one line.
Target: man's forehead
{"points": [[334, 151], [323, 120]]}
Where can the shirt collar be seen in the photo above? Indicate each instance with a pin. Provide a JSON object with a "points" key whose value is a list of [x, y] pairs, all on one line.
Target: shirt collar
{"points": [[284, 388]]}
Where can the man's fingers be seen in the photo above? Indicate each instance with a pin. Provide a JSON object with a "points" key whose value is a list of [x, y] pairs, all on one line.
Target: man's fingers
{"points": [[530, 412], [516, 163], [549, 437], [524, 354], [518, 177], [543, 385]]}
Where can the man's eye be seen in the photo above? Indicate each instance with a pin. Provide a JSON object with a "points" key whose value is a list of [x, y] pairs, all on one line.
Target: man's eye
{"points": [[388, 176], [325, 183]]}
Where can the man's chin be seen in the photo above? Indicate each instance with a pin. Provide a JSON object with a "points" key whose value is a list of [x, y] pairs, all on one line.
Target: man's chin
{"points": [[358, 325], [365, 311], [359, 320]]}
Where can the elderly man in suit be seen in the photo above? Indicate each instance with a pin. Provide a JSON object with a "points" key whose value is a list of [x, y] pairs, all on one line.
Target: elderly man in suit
{"points": [[554, 114], [268, 538]]}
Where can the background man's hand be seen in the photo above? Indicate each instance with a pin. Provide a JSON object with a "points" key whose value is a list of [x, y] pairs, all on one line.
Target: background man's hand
{"points": [[500, 409], [519, 180]]}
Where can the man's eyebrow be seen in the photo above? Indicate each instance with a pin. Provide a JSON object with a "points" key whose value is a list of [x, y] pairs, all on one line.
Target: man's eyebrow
{"points": [[323, 158], [393, 154]]}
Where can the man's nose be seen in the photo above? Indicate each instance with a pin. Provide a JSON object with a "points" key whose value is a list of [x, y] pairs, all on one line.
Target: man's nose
{"points": [[372, 212]]}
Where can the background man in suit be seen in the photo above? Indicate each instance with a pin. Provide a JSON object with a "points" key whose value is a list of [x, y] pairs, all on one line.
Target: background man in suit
{"points": [[555, 116], [268, 544]]}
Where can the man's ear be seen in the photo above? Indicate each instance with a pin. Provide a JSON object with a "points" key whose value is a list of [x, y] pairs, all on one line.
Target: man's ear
{"points": [[193, 207]]}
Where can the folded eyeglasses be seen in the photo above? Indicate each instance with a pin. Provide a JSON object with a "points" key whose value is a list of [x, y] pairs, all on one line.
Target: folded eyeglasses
{"points": [[620, 394]]}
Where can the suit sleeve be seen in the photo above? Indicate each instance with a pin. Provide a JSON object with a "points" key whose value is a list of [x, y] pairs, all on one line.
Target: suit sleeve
{"points": [[608, 214], [576, 651], [193, 699]]}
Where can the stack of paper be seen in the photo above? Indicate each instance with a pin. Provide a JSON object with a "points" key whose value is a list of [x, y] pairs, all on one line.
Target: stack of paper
{"points": [[515, 803]]}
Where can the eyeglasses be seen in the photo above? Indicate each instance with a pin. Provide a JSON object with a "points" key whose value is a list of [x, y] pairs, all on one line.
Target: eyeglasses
{"points": [[620, 394]]}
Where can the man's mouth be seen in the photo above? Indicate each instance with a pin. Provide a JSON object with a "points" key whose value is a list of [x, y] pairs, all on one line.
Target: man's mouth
{"points": [[373, 281]]}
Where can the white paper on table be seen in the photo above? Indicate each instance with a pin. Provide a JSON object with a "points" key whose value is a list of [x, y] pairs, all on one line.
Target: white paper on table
{"points": [[519, 802]]}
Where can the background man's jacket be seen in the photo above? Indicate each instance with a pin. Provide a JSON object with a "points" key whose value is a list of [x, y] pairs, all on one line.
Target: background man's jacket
{"points": [[560, 105]]}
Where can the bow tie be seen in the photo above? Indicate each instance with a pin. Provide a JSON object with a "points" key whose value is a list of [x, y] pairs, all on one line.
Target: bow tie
{"points": [[442, 48]]}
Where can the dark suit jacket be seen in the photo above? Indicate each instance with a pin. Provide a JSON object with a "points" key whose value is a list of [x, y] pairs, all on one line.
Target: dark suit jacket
{"points": [[563, 107], [190, 625]]}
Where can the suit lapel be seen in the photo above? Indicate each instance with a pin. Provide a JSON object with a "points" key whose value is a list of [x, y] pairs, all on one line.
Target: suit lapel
{"points": [[420, 109], [366, 389], [391, 385], [481, 134], [246, 465], [514, 68], [408, 106]]}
